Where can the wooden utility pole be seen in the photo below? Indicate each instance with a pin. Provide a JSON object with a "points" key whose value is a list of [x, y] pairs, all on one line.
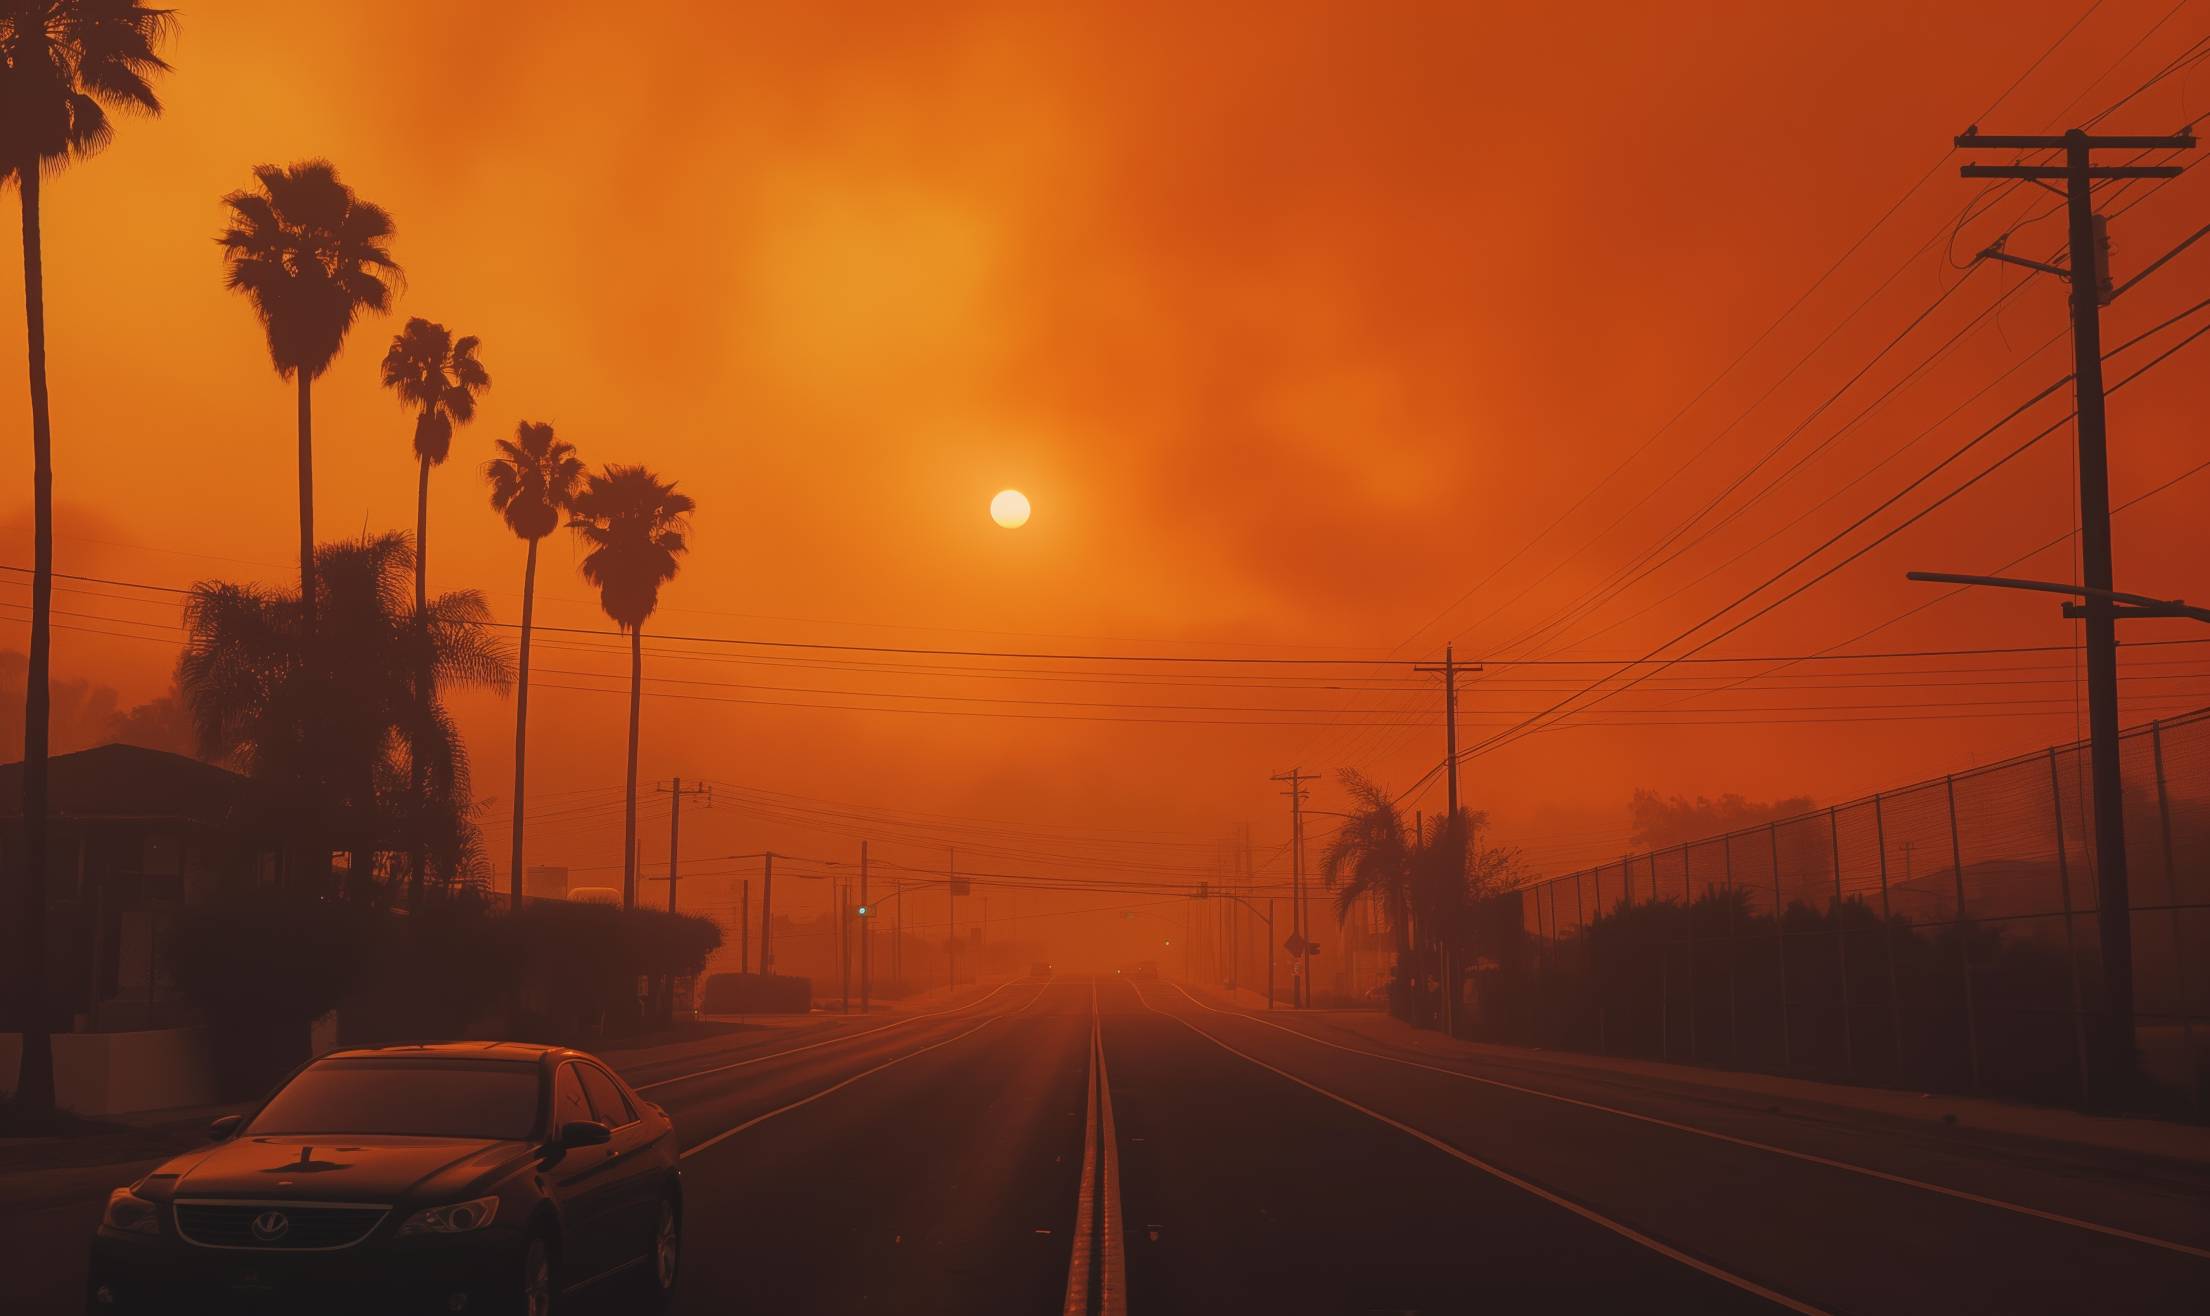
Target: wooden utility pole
{"points": [[866, 935], [2089, 276], [675, 794], [1450, 671], [1300, 983], [767, 915], [744, 926]]}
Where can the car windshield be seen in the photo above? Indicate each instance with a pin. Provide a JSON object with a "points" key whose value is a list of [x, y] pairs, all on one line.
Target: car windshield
{"points": [[417, 1097]]}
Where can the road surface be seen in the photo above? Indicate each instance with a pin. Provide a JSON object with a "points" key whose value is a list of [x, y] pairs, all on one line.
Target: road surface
{"points": [[1107, 1145]]}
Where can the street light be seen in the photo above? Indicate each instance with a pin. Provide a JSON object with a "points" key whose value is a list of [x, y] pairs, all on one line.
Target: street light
{"points": [[2128, 605]]}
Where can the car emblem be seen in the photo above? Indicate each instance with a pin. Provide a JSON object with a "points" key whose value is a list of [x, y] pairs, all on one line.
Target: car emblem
{"points": [[270, 1226]]}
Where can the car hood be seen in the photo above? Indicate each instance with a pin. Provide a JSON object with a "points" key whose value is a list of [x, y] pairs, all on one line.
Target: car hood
{"points": [[332, 1167]]}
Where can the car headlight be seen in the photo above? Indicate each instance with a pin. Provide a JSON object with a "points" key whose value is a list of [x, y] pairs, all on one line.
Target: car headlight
{"points": [[458, 1218], [131, 1214]]}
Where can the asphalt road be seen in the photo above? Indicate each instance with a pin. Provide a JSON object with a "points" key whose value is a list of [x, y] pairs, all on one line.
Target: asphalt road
{"points": [[1276, 1164]]}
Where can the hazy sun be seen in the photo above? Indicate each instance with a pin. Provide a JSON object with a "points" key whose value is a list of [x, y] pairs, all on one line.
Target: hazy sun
{"points": [[1010, 509]]}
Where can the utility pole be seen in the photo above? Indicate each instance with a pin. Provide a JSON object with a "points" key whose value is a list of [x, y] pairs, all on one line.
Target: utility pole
{"points": [[1300, 986], [767, 916], [2089, 276], [744, 926], [866, 936], [1450, 671], [951, 917], [841, 892], [675, 794]]}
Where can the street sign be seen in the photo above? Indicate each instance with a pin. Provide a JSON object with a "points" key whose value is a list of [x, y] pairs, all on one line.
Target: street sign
{"points": [[960, 887], [1296, 945]]}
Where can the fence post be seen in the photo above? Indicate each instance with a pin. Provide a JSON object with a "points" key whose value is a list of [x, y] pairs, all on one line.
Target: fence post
{"points": [[1688, 913], [1887, 935], [1734, 952], [1841, 946], [1780, 947], [2179, 957], [1964, 933], [2071, 942]]}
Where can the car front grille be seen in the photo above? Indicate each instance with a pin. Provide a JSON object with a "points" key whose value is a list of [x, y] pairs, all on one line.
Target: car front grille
{"points": [[277, 1226]]}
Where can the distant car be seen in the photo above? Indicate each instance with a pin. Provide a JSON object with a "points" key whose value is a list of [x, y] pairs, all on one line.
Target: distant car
{"points": [[1039, 970], [458, 1177]]}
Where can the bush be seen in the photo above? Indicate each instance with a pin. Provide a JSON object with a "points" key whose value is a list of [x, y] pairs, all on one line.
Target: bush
{"points": [[582, 968], [261, 967]]}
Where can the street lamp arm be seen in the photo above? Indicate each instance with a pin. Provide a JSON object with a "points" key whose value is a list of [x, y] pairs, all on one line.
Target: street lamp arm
{"points": [[2157, 607]]}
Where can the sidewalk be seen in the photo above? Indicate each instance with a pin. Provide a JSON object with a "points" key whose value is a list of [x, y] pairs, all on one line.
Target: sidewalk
{"points": [[2128, 1136]]}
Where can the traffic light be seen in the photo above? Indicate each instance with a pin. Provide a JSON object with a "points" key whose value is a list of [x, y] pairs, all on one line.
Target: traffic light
{"points": [[865, 910]]}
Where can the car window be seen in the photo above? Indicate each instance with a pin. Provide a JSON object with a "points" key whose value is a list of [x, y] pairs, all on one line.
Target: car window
{"points": [[570, 1106], [409, 1097], [606, 1096]]}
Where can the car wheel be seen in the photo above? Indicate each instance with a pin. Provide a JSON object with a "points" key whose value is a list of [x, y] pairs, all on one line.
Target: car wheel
{"points": [[538, 1287], [667, 1252]]}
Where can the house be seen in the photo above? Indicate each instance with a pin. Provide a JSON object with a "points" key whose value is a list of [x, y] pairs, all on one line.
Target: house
{"points": [[134, 836]]}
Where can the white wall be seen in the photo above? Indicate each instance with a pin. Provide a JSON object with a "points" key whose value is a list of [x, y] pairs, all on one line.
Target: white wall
{"points": [[121, 1073]]}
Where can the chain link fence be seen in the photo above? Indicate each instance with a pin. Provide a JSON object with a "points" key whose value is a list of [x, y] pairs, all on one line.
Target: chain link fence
{"points": [[1944, 936]]}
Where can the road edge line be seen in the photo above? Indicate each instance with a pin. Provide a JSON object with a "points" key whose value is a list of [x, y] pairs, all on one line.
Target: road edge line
{"points": [[1623, 1230], [1812, 1158]]}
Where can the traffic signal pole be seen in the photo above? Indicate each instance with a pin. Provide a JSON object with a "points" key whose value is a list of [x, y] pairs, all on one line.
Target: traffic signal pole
{"points": [[2087, 275]]}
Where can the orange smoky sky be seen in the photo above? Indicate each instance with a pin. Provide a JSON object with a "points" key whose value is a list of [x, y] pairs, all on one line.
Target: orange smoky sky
{"points": [[1297, 323]]}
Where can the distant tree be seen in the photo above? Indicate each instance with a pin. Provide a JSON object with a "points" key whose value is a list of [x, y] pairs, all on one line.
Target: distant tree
{"points": [[534, 480], [328, 720], [64, 66], [1668, 820], [163, 723], [636, 526], [311, 256]]}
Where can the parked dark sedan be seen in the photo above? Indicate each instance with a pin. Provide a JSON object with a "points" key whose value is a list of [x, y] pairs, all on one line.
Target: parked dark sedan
{"points": [[457, 1177]]}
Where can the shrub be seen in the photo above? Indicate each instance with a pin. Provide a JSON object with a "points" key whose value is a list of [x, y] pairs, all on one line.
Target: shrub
{"points": [[261, 966], [756, 993]]}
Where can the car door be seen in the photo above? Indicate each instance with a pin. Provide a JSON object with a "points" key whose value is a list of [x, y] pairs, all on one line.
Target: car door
{"points": [[635, 1194], [583, 1184]]}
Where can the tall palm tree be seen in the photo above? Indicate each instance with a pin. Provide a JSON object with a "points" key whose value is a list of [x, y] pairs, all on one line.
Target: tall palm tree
{"points": [[311, 256], [635, 525], [64, 65], [438, 376], [533, 486], [1371, 857], [329, 721]]}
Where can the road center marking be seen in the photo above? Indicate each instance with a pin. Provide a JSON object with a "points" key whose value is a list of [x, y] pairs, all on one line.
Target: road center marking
{"points": [[1097, 1283], [1812, 1158]]}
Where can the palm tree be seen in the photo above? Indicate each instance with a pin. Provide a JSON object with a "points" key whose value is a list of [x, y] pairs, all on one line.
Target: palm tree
{"points": [[329, 721], [311, 256], [64, 64], [1371, 857], [533, 486], [439, 376], [635, 525]]}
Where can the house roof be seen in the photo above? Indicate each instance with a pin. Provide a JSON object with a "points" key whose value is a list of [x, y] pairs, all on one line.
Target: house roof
{"points": [[127, 781]]}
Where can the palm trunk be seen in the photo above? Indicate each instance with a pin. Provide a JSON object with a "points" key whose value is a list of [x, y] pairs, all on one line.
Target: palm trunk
{"points": [[629, 821], [418, 865], [521, 727], [34, 1088], [307, 497]]}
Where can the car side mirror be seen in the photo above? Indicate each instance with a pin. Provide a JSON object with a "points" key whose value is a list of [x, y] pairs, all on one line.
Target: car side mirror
{"points": [[224, 1127], [583, 1133]]}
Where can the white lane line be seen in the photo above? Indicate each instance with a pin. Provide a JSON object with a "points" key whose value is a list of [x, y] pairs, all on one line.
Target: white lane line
{"points": [[1812, 1158], [758, 1120], [1628, 1232], [814, 1046]]}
